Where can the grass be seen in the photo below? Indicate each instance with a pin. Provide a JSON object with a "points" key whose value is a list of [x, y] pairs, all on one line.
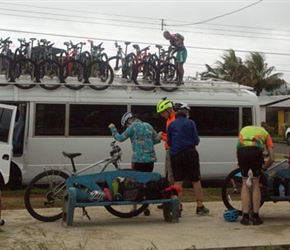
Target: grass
{"points": [[15, 200]]}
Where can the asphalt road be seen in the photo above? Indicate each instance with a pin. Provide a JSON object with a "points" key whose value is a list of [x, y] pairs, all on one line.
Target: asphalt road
{"points": [[281, 148]]}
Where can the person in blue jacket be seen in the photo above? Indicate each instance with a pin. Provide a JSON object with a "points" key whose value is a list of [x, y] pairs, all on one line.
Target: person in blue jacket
{"points": [[182, 137]]}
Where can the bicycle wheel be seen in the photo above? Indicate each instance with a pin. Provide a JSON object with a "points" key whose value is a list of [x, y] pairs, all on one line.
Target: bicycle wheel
{"points": [[43, 196], [100, 75], [48, 72], [169, 77], [24, 71], [5, 63], [72, 71], [154, 59], [231, 198], [117, 65], [126, 211], [145, 76], [104, 57], [129, 67]]}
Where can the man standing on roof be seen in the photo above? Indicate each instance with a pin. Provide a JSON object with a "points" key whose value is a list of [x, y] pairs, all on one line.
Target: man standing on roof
{"points": [[177, 42]]}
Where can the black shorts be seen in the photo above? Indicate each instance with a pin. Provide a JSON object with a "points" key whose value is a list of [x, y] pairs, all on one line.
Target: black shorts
{"points": [[250, 158], [143, 166], [185, 165]]}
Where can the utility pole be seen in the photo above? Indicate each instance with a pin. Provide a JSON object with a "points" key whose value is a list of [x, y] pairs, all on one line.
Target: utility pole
{"points": [[162, 24]]}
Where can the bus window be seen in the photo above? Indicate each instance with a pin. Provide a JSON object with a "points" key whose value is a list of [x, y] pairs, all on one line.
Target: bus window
{"points": [[5, 120], [149, 114], [216, 121], [247, 117], [18, 135], [88, 120], [49, 119]]}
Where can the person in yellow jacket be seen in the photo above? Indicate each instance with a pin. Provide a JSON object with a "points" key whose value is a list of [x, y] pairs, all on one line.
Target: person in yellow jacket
{"points": [[250, 146]]}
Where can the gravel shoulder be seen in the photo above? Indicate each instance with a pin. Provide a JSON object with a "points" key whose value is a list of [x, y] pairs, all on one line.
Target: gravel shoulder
{"points": [[105, 231]]}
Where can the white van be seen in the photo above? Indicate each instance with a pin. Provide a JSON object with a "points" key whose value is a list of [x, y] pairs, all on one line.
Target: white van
{"points": [[50, 122]]}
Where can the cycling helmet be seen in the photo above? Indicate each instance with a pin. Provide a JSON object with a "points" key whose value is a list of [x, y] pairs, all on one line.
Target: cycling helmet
{"points": [[125, 118], [231, 215], [97, 195], [163, 105], [181, 105]]}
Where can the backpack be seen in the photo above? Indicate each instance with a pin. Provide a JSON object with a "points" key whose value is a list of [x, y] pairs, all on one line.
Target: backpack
{"points": [[155, 189], [181, 37], [128, 189]]}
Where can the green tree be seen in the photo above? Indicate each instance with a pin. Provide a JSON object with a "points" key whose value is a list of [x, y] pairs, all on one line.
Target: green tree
{"points": [[232, 67], [254, 72], [260, 76]]}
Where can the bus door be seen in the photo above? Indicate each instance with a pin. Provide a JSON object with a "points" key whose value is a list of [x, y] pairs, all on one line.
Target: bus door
{"points": [[7, 120]]}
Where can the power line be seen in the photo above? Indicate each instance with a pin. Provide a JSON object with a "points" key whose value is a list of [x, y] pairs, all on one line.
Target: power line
{"points": [[139, 42], [135, 22], [213, 18]]}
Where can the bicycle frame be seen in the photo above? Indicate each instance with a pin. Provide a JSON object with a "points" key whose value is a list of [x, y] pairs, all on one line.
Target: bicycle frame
{"points": [[107, 162]]}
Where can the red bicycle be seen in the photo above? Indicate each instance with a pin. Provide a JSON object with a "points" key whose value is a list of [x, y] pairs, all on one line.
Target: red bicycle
{"points": [[73, 65]]}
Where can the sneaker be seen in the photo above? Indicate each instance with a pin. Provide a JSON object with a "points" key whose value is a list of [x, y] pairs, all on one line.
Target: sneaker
{"points": [[146, 212], [235, 190], [202, 210], [245, 221], [257, 221]]}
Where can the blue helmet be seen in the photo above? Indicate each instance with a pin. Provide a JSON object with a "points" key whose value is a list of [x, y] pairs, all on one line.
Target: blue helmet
{"points": [[231, 215]]}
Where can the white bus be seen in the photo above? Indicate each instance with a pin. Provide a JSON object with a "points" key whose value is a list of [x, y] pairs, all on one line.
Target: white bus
{"points": [[49, 122]]}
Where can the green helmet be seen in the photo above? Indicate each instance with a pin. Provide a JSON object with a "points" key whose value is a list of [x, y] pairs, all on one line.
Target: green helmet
{"points": [[163, 105]]}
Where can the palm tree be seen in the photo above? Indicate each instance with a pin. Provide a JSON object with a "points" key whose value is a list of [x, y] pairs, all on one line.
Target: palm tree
{"points": [[232, 67], [260, 75], [254, 72]]}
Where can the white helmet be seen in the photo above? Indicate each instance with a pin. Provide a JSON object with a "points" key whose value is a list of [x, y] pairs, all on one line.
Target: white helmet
{"points": [[97, 195], [181, 105], [125, 117]]}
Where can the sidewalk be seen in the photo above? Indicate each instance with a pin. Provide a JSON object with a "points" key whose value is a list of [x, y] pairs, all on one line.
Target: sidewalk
{"points": [[106, 231]]}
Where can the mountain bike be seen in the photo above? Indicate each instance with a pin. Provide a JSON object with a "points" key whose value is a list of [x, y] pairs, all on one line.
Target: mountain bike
{"points": [[43, 196], [5, 59], [96, 52], [123, 64], [158, 71], [72, 65], [24, 68], [99, 75], [268, 184], [47, 69]]}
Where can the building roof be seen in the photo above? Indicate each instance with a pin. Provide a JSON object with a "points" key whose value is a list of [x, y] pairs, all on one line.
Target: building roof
{"points": [[275, 101]]}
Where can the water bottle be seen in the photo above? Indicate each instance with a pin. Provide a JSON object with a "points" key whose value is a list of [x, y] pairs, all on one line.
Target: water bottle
{"points": [[281, 190]]}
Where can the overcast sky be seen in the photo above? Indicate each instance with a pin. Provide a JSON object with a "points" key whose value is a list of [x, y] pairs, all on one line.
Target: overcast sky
{"points": [[209, 27]]}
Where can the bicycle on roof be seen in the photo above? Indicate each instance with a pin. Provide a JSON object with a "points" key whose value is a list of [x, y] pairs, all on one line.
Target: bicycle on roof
{"points": [[5, 59], [72, 65]]}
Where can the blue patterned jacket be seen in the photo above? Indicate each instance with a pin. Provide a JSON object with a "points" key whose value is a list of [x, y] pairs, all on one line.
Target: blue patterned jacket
{"points": [[143, 138]]}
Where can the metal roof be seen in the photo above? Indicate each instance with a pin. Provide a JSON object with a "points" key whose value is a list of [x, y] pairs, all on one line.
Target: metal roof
{"points": [[275, 101]]}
